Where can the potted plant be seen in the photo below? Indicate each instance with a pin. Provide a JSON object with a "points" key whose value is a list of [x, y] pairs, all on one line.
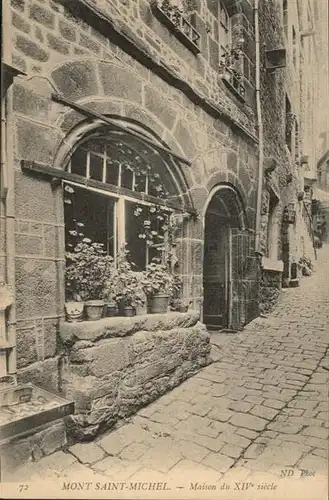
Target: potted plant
{"points": [[159, 283], [88, 268], [111, 306], [126, 285]]}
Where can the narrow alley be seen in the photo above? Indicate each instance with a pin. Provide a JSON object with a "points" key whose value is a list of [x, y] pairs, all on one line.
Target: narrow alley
{"points": [[259, 409]]}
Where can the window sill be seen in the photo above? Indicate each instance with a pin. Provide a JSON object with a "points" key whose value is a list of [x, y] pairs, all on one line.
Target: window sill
{"points": [[180, 26], [121, 326], [235, 86], [269, 264]]}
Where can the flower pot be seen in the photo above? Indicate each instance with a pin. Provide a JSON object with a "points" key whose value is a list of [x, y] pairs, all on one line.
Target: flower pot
{"points": [[74, 311], [111, 309], [129, 311], [158, 303], [94, 309]]}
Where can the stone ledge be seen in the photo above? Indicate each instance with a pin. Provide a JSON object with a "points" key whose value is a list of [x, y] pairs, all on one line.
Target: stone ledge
{"points": [[112, 379], [31, 446], [272, 265], [121, 327]]}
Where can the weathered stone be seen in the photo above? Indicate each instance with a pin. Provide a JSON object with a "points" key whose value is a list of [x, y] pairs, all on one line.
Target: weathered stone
{"points": [[50, 337], [57, 44], [36, 288], [20, 23], [231, 451], [120, 327], [120, 82], [248, 421], [87, 453], [317, 432], [43, 374], [154, 102], [28, 245], [264, 412], [103, 359], [18, 4], [67, 31], [184, 138], [218, 461], [36, 142], [43, 441], [89, 43], [28, 190], [242, 406], [133, 451], [28, 102], [138, 376], [26, 347], [31, 49], [76, 79], [42, 16]]}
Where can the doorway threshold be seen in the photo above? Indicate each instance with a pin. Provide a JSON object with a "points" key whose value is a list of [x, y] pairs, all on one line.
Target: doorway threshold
{"points": [[215, 329]]}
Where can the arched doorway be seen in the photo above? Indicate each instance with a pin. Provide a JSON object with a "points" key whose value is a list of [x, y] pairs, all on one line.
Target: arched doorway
{"points": [[224, 223]]}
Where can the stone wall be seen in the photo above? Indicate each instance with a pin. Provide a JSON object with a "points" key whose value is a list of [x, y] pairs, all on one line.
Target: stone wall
{"points": [[285, 182], [270, 287], [31, 446], [122, 63], [114, 366]]}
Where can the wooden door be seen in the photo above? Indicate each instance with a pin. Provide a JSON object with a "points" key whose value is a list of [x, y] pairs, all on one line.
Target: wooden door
{"points": [[216, 273]]}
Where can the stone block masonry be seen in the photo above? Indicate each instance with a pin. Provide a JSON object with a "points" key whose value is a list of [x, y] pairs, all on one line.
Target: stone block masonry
{"points": [[113, 374], [31, 447]]}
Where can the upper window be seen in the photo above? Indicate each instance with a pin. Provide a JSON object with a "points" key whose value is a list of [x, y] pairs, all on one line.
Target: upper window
{"points": [[121, 183], [294, 46], [224, 28], [289, 124], [285, 16]]}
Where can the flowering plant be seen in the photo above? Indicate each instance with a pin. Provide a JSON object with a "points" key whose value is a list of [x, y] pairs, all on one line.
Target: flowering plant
{"points": [[88, 268], [124, 284], [157, 278]]}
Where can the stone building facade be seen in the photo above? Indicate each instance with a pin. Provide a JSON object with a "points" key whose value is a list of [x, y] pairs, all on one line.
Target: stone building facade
{"points": [[94, 79], [162, 96], [289, 98]]}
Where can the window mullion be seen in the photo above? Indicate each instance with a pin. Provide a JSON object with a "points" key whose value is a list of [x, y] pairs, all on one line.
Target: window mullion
{"points": [[120, 174], [120, 211], [104, 166], [115, 231], [88, 166]]}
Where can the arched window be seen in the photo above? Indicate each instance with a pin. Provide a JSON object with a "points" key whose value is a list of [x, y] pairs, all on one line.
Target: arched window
{"points": [[120, 195]]}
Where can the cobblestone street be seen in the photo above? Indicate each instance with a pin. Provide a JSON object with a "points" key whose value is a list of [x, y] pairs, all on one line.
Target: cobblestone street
{"points": [[261, 407]]}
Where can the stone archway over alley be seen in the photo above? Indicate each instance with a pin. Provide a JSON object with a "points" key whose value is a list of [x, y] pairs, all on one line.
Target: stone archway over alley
{"points": [[260, 408]]}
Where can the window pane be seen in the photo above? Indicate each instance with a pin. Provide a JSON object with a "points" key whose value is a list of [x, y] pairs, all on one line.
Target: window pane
{"points": [[78, 162], [96, 213], [140, 183], [126, 177], [112, 172], [135, 244], [96, 167]]}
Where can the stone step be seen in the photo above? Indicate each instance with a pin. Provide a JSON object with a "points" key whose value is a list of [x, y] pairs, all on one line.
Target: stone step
{"points": [[26, 407]]}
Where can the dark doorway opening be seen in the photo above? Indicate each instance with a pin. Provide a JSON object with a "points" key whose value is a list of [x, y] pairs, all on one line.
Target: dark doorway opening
{"points": [[224, 216]]}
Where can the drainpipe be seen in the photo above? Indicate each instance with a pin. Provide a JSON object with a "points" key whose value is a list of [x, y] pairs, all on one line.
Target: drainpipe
{"points": [[260, 129], [9, 202]]}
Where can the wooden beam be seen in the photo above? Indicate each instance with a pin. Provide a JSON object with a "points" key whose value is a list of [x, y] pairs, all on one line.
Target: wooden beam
{"points": [[56, 173], [93, 114]]}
